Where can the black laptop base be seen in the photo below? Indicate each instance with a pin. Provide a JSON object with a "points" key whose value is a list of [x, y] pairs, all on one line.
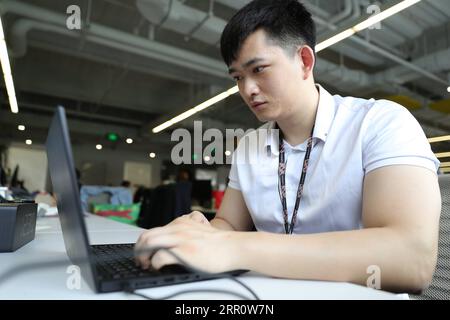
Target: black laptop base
{"points": [[117, 271]]}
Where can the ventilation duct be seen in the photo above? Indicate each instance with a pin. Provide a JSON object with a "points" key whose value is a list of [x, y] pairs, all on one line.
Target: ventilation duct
{"points": [[176, 16]]}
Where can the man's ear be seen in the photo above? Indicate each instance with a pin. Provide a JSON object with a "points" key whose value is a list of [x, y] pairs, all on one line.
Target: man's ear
{"points": [[308, 59]]}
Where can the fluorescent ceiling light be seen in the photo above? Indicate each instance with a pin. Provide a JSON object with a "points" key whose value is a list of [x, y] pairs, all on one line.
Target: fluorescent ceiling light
{"points": [[443, 155], [366, 23], [319, 47], [2, 34], [445, 164], [439, 139], [335, 39], [6, 67], [196, 109], [4, 59], [445, 170]]}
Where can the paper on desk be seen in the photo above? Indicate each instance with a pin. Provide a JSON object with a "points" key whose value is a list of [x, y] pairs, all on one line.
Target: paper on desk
{"points": [[40, 228], [44, 210]]}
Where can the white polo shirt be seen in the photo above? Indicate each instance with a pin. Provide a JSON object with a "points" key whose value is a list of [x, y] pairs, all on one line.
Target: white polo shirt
{"points": [[352, 137]]}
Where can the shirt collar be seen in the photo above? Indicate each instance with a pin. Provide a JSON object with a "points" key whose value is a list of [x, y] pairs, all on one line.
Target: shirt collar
{"points": [[324, 119]]}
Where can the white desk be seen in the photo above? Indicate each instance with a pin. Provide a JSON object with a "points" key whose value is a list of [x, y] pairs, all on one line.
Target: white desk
{"points": [[50, 283]]}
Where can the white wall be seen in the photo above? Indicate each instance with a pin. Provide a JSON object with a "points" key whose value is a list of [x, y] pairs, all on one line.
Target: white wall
{"points": [[113, 162], [138, 173], [110, 164], [32, 161]]}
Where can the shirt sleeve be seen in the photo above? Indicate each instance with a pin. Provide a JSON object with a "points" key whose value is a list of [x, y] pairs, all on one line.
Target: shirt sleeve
{"points": [[233, 176], [394, 137]]}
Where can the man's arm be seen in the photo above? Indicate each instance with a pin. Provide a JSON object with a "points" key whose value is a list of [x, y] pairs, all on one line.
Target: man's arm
{"points": [[401, 209], [233, 214]]}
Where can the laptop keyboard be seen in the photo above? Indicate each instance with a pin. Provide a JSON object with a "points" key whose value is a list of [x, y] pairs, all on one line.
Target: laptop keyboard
{"points": [[116, 261]]}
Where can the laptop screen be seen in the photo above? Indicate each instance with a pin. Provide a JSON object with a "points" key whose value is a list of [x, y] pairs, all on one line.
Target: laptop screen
{"points": [[65, 188]]}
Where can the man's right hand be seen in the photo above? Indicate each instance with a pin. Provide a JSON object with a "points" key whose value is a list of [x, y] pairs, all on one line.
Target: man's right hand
{"points": [[193, 239], [195, 216]]}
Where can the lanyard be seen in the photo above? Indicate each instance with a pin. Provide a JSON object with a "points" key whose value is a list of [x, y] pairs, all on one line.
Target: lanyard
{"points": [[289, 228]]}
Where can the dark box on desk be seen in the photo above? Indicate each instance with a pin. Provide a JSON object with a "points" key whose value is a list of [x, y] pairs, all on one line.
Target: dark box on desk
{"points": [[17, 225]]}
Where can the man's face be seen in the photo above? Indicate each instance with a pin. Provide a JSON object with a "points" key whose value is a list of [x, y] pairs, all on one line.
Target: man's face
{"points": [[270, 80]]}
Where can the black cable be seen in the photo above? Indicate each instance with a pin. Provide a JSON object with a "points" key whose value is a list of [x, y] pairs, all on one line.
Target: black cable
{"points": [[197, 270], [8, 274], [132, 291]]}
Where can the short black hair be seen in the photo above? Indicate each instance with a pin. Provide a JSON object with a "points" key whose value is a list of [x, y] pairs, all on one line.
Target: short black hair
{"points": [[125, 183], [287, 23]]}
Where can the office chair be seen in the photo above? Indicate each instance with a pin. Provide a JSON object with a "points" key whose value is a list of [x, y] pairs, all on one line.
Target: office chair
{"points": [[440, 285]]}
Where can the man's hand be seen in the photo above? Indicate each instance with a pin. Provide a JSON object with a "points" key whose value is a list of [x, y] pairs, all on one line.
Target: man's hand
{"points": [[193, 239]]}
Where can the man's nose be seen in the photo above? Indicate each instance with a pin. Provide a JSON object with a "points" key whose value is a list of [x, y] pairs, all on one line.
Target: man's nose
{"points": [[250, 89]]}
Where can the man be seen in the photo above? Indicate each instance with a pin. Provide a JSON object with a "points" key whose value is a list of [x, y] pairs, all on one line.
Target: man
{"points": [[367, 196]]}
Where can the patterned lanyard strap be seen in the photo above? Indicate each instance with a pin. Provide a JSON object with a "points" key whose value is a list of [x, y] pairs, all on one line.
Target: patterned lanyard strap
{"points": [[282, 182]]}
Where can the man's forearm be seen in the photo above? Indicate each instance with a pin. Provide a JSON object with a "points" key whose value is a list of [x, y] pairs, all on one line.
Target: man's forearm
{"points": [[350, 256], [221, 224]]}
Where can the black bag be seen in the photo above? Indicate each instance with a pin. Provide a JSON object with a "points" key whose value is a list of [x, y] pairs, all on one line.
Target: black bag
{"points": [[163, 204]]}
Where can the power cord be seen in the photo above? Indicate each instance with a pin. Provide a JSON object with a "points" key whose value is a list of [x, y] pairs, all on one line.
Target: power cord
{"points": [[133, 292], [196, 271]]}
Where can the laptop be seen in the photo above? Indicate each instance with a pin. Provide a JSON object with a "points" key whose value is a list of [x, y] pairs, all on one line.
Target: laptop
{"points": [[106, 268]]}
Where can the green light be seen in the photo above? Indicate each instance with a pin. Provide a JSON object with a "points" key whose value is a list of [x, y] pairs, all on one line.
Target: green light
{"points": [[194, 156], [112, 137]]}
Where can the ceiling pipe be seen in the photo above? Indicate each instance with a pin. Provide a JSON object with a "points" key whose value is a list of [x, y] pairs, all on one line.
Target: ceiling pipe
{"points": [[320, 16], [79, 126], [205, 19], [357, 39], [343, 78], [122, 41], [172, 73], [441, 6], [435, 62], [341, 75], [404, 63], [20, 29], [181, 18], [344, 14], [36, 12], [125, 122], [117, 39]]}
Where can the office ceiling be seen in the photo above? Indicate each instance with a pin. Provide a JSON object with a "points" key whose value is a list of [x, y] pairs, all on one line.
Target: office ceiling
{"points": [[135, 64]]}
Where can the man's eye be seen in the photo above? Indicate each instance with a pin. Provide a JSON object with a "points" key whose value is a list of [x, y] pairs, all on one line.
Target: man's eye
{"points": [[258, 69], [237, 78]]}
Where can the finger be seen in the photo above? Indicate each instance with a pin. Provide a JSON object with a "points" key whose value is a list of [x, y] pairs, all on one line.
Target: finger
{"points": [[143, 256], [198, 217], [142, 259], [162, 258], [148, 233], [159, 231]]}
